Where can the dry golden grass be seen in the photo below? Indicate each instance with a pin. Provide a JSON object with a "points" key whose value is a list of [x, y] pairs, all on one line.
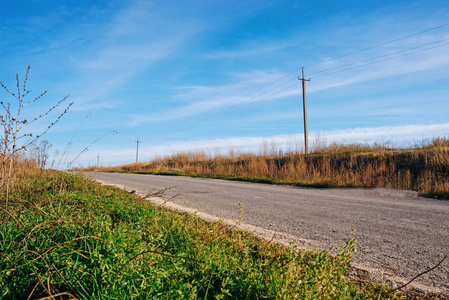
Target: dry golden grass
{"points": [[423, 168], [20, 167]]}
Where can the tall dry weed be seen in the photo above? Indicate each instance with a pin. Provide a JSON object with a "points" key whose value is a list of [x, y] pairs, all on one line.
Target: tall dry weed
{"points": [[424, 169]]}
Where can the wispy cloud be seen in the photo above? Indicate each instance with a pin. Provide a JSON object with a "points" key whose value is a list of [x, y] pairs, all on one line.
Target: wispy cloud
{"points": [[195, 100], [136, 38], [252, 49]]}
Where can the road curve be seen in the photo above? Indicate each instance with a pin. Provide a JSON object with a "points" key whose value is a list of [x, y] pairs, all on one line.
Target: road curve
{"points": [[398, 233]]}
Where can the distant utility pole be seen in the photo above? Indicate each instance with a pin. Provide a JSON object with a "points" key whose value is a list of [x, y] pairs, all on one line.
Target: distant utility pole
{"points": [[98, 160], [306, 139], [137, 151]]}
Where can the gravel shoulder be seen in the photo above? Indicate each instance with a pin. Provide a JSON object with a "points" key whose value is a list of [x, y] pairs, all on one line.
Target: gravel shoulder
{"points": [[398, 233]]}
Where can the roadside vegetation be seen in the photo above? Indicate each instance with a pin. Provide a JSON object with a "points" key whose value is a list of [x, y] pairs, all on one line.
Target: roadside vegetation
{"points": [[63, 236], [423, 168]]}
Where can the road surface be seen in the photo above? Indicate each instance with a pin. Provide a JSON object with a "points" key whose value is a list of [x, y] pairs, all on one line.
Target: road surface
{"points": [[398, 233]]}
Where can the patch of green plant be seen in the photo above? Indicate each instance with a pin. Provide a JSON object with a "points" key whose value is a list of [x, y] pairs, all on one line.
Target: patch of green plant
{"points": [[65, 236]]}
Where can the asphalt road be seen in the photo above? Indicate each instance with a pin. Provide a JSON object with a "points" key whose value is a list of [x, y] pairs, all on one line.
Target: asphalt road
{"points": [[398, 233]]}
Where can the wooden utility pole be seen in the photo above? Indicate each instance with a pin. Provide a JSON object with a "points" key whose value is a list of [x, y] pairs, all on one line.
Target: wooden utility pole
{"points": [[137, 151], [98, 160], [306, 139]]}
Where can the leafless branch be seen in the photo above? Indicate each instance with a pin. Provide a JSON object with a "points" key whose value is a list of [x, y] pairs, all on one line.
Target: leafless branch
{"points": [[26, 123]]}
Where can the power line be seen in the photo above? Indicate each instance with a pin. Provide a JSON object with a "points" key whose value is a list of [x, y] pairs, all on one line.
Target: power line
{"points": [[237, 108], [251, 100], [256, 98], [385, 55], [224, 110], [228, 110], [219, 108], [220, 111], [379, 61], [378, 45]]}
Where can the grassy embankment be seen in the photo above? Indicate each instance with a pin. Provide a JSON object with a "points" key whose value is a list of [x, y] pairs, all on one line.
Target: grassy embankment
{"points": [[63, 236], [424, 169]]}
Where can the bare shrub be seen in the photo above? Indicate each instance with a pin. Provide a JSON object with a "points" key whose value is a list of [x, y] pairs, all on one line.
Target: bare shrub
{"points": [[40, 152], [16, 135]]}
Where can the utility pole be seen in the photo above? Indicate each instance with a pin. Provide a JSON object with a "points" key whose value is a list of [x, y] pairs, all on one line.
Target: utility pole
{"points": [[98, 160], [306, 139], [137, 151]]}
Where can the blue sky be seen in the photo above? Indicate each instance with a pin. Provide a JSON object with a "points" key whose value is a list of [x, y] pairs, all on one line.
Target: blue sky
{"points": [[211, 75]]}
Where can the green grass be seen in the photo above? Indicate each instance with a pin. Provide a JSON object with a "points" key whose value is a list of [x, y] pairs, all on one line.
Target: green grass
{"points": [[66, 235]]}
